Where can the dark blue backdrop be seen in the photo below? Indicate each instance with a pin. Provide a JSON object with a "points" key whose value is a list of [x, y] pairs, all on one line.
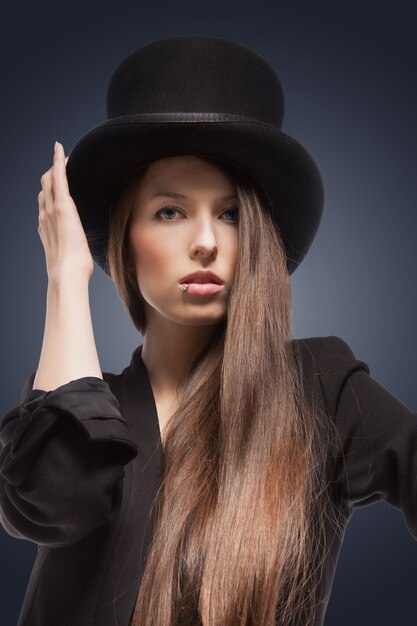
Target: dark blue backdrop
{"points": [[349, 77]]}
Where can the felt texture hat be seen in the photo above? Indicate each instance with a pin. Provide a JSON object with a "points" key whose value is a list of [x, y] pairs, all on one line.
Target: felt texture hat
{"points": [[196, 95]]}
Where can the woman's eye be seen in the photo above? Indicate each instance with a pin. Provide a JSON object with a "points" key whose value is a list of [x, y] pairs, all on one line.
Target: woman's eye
{"points": [[165, 209], [231, 210]]}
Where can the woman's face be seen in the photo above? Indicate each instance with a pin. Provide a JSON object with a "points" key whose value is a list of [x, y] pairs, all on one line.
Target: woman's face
{"points": [[171, 237]]}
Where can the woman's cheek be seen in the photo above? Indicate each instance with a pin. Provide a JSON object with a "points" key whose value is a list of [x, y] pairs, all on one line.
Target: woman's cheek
{"points": [[146, 251]]}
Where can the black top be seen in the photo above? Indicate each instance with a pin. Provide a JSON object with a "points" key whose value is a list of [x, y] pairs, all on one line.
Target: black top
{"points": [[80, 467]]}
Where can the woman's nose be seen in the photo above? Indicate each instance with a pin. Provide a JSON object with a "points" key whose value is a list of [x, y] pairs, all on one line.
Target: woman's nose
{"points": [[204, 242]]}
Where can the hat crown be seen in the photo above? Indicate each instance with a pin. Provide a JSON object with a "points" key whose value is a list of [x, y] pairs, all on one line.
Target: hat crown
{"points": [[196, 74]]}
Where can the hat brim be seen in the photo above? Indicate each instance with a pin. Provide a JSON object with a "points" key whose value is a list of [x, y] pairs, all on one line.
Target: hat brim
{"points": [[102, 160]]}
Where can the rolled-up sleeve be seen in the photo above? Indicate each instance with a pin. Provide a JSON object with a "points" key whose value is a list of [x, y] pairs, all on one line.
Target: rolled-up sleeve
{"points": [[377, 434], [62, 458]]}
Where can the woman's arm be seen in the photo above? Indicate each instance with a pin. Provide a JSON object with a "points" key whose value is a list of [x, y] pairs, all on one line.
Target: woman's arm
{"points": [[62, 458], [63, 449], [377, 434], [68, 350]]}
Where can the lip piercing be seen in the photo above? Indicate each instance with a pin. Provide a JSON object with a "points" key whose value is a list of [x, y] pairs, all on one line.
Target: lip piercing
{"points": [[185, 287]]}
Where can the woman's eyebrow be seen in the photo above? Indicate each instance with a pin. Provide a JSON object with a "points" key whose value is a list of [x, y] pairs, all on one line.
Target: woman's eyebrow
{"points": [[180, 196]]}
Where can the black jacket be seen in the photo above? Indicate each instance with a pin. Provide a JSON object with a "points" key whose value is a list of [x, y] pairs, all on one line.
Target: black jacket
{"points": [[80, 467]]}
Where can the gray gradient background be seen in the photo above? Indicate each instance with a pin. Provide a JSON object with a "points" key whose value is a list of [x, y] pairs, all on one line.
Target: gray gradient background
{"points": [[349, 77]]}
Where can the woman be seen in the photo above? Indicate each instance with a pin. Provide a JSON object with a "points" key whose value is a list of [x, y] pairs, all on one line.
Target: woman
{"points": [[211, 481]]}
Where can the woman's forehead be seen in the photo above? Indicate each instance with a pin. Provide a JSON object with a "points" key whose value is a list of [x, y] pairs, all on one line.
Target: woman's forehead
{"points": [[170, 174]]}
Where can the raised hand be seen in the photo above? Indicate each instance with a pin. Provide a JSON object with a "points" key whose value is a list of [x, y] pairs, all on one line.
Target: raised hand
{"points": [[60, 228]]}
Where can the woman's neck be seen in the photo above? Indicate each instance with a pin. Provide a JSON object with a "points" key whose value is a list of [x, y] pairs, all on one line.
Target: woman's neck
{"points": [[168, 353]]}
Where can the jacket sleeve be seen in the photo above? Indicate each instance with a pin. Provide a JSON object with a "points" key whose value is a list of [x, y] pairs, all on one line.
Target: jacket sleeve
{"points": [[377, 434], [62, 457]]}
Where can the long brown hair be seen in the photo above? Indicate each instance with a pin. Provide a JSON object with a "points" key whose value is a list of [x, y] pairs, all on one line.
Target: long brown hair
{"points": [[242, 509]]}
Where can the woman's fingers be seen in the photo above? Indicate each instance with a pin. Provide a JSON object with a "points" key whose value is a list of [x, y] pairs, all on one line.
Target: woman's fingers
{"points": [[47, 188], [59, 176]]}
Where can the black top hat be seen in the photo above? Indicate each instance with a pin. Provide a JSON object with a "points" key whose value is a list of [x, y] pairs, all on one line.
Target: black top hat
{"points": [[196, 95]]}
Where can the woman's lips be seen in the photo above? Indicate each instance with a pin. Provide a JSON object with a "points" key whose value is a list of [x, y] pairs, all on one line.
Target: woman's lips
{"points": [[201, 289]]}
